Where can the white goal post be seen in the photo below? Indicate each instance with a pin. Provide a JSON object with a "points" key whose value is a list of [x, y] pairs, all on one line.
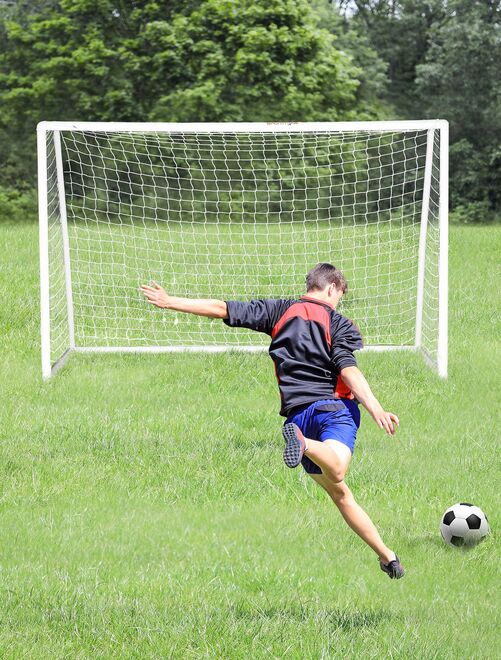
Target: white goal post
{"points": [[239, 211]]}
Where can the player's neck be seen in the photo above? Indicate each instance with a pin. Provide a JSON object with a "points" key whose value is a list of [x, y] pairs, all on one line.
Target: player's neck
{"points": [[320, 299]]}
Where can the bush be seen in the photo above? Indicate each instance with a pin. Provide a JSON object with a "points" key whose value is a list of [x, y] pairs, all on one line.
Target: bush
{"points": [[17, 205], [474, 213]]}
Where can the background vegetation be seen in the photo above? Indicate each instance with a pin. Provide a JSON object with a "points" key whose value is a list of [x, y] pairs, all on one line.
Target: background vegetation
{"points": [[220, 60]]}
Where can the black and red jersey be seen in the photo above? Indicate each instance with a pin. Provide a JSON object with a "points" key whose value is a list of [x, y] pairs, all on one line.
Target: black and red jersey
{"points": [[310, 344]]}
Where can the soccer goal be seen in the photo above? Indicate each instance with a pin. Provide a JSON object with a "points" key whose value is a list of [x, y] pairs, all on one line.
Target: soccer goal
{"points": [[239, 211]]}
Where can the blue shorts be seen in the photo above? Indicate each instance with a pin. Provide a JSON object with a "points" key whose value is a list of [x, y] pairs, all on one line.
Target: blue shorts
{"points": [[329, 419]]}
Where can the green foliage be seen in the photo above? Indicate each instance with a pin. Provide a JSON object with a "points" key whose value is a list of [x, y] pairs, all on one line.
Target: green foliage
{"points": [[443, 62], [202, 61], [18, 205], [476, 172], [292, 60], [398, 30], [459, 79], [57, 61], [473, 213], [355, 43], [258, 61]]}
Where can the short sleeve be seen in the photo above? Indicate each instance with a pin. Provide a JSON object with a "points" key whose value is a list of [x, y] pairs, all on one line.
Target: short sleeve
{"points": [[346, 339], [259, 315]]}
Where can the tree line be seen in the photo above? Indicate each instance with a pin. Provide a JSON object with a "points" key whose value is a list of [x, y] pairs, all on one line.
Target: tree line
{"points": [[255, 60]]}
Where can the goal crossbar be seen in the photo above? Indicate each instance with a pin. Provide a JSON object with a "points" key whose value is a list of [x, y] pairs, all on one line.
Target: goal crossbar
{"points": [[242, 127]]}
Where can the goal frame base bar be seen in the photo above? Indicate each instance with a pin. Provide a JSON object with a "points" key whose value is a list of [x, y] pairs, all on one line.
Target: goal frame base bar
{"points": [[213, 349], [59, 364], [216, 348]]}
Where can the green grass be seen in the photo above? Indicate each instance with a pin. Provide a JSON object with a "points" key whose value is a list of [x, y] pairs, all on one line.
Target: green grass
{"points": [[145, 510]]}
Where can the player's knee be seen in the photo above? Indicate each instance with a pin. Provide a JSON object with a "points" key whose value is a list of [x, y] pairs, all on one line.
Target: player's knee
{"points": [[336, 475], [340, 493]]}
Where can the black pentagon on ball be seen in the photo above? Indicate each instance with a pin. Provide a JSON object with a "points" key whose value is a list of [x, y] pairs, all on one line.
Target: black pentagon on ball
{"points": [[449, 517], [473, 521], [457, 540], [465, 504]]}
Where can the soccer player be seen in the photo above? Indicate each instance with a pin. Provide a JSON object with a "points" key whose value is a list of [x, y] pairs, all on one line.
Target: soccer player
{"points": [[320, 384]]}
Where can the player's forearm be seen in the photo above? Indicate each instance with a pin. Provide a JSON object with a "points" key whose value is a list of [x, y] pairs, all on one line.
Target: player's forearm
{"points": [[215, 309], [156, 295], [357, 383], [355, 380]]}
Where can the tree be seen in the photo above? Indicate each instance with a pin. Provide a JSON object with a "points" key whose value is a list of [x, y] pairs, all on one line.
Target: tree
{"points": [[59, 60], [194, 61], [459, 80], [399, 32], [443, 60], [246, 61], [373, 88]]}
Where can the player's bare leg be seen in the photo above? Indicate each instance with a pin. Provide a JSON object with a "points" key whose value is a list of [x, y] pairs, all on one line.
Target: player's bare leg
{"points": [[332, 456], [355, 516]]}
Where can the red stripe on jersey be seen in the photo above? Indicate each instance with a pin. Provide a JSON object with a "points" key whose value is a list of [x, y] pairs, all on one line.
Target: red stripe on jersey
{"points": [[342, 390], [309, 312]]}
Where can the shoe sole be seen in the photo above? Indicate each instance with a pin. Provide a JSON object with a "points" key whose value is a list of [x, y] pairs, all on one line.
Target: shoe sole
{"points": [[293, 451], [394, 575]]}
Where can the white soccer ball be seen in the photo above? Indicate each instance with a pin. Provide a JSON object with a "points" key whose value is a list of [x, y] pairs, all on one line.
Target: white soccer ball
{"points": [[464, 524]]}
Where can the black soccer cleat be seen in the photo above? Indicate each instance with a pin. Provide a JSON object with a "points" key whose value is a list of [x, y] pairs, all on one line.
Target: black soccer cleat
{"points": [[394, 568], [294, 445]]}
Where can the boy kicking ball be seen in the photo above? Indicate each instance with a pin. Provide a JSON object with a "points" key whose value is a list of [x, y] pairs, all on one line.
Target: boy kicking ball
{"points": [[320, 384]]}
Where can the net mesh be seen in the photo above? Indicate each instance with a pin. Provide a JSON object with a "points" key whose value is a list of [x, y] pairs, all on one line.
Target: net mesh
{"points": [[238, 216]]}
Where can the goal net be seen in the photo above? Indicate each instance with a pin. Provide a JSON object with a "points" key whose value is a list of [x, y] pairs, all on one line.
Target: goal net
{"points": [[239, 211]]}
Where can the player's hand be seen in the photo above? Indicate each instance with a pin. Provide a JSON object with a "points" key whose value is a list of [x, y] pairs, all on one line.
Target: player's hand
{"points": [[155, 295], [387, 421]]}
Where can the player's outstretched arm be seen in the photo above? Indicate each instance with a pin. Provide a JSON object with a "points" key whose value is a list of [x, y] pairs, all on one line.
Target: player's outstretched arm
{"points": [[157, 296], [357, 383]]}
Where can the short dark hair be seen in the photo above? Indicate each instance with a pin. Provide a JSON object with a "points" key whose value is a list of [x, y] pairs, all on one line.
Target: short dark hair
{"points": [[324, 274]]}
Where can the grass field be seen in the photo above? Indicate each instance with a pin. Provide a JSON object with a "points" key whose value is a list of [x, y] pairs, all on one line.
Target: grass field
{"points": [[145, 510]]}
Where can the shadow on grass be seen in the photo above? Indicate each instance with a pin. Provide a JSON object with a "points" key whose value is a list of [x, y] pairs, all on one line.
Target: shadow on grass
{"points": [[431, 540], [343, 618]]}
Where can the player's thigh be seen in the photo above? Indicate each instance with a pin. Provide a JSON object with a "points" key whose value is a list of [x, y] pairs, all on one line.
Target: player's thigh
{"points": [[341, 451]]}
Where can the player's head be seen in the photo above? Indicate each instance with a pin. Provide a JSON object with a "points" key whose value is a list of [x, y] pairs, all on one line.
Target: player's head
{"points": [[326, 280]]}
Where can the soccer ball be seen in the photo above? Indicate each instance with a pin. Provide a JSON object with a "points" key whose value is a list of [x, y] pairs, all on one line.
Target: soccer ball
{"points": [[464, 524]]}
